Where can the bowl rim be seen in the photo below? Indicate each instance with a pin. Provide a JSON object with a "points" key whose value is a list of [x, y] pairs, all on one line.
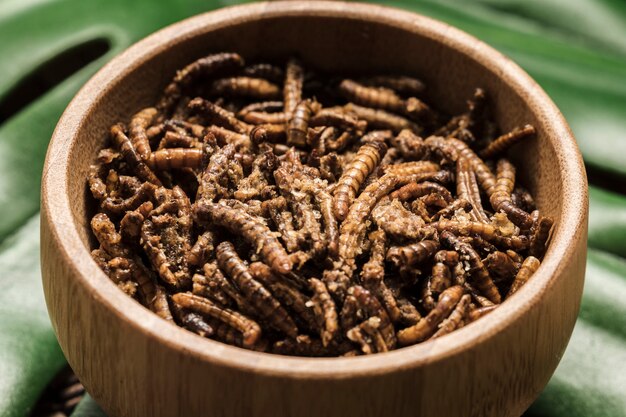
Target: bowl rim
{"points": [[57, 214]]}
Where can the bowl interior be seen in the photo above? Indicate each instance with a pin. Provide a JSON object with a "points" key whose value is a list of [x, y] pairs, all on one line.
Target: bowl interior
{"points": [[450, 63]]}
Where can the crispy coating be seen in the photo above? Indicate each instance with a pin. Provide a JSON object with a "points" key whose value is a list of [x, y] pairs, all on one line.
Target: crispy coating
{"points": [[367, 158], [250, 228], [413, 254], [398, 222], [501, 197], [218, 115], [325, 311], [415, 190], [137, 131], [540, 236], [456, 318], [372, 308], [487, 231], [292, 89], [381, 119], [131, 156]]}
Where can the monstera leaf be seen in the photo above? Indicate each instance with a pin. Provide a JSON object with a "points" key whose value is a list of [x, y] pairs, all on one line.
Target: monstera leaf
{"points": [[575, 50]]}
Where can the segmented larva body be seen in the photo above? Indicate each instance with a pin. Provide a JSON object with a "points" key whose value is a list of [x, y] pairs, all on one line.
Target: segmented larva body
{"points": [[415, 190], [400, 83], [131, 156], [455, 320], [137, 131], [264, 70], [539, 238], [478, 272], [297, 130], [370, 304], [486, 231], [218, 115], [250, 228], [336, 118], [500, 199], [367, 158], [175, 158], [261, 107], [528, 268], [381, 119], [259, 297], [428, 325], [292, 90], [250, 330], [381, 98], [324, 308], [257, 88], [413, 254], [504, 142]]}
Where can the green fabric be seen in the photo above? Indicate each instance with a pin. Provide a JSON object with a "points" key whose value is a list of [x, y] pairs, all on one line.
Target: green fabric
{"points": [[575, 49]]}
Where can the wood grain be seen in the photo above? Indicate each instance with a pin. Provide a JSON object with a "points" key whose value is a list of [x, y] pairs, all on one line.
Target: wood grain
{"points": [[135, 364]]}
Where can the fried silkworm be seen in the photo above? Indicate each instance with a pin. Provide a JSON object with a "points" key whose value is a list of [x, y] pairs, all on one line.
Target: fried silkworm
{"points": [[257, 88], [250, 228], [322, 223], [477, 269], [504, 142], [427, 326], [250, 330], [367, 158], [528, 268], [257, 295]]}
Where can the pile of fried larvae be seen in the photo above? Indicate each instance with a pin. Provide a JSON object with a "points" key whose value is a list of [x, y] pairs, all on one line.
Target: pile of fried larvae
{"points": [[286, 211]]}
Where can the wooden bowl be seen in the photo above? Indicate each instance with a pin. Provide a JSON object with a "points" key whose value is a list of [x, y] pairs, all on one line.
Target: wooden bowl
{"points": [[136, 364]]}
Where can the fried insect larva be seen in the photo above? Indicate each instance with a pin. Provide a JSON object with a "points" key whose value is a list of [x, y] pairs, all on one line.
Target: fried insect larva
{"points": [[485, 177], [172, 273], [399, 83], [218, 115], [504, 142], [520, 197], [191, 321], [480, 312], [415, 190], [338, 118], [528, 268], [226, 137], [298, 125], [119, 206], [367, 158], [325, 310], [268, 134], [539, 238], [178, 140], [137, 131], [380, 119], [211, 180], [411, 168], [368, 336], [413, 254], [250, 228], [261, 107], [264, 70], [250, 330], [409, 145], [203, 249], [110, 240], [500, 199], [477, 270], [286, 293], [175, 158], [259, 118], [353, 228], [292, 88], [500, 265], [455, 320], [130, 225], [428, 325], [283, 219], [256, 294], [441, 278], [256, 88], [372, 307], [382, 98], [467, 190], [486, 231], [202, 68], [131, 156]]}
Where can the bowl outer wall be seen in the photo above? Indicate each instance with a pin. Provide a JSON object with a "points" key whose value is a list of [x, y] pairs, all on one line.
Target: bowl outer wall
{"points": [[80, 298]]}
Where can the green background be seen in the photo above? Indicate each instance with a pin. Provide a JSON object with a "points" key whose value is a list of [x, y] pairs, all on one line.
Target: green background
{"points": [[575, 49]]}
